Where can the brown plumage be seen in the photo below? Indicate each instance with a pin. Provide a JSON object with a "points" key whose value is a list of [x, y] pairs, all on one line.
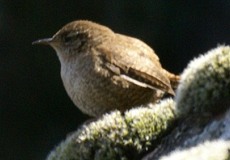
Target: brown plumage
{"points": [[102, 70]]}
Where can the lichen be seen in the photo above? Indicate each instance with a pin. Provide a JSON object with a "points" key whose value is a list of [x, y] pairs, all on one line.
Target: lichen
{"points": [[212, 150]]}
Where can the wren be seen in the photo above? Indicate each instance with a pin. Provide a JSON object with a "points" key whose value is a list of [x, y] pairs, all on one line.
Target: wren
{"points": [[103, 71]]}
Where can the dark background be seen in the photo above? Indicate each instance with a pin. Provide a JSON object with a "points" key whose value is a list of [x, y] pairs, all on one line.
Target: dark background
{"points": [[35, 111]]}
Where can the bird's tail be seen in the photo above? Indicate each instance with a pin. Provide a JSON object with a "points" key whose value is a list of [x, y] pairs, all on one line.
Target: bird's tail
{"points": [[174, 79]]}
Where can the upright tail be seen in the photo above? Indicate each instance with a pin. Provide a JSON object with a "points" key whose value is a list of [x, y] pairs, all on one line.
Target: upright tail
{"points": [[174, 79]]}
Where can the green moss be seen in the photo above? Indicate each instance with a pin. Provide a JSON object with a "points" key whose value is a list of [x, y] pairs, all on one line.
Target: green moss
{"points": [[205, 83], [117, 136]]}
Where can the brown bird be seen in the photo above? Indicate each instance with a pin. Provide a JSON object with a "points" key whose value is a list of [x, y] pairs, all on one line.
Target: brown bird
{"points": [[103, 71]]}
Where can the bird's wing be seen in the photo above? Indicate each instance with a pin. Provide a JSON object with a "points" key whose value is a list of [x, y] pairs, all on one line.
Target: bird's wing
{"points": [[135, 61]]}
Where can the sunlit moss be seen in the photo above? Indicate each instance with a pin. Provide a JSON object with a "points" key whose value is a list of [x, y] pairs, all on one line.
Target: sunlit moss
{"points": [[205, 83], [117, 136]]}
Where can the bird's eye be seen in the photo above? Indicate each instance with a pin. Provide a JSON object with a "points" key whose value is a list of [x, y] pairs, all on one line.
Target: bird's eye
{"points": [[68, 39], [74, 39]]}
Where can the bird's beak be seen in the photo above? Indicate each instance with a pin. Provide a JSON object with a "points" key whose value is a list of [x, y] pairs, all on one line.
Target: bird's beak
{"points": [[45, 41]]}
